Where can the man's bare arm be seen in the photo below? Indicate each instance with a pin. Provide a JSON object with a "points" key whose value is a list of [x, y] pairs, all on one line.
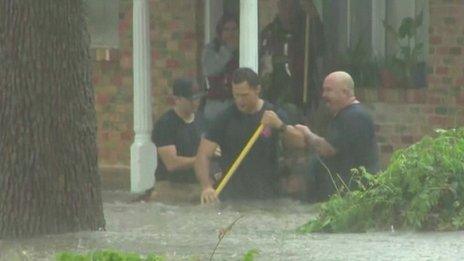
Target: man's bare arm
{"points": [[292, 137], [202, 164], [319, 144], [172, 161]]}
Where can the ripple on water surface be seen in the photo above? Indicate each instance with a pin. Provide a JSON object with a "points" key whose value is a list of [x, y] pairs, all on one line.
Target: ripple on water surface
{"points": [[181, 232]]}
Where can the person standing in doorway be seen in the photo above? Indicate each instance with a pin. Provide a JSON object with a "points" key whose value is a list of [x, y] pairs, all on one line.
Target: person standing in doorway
{"points": [[219, 60]]}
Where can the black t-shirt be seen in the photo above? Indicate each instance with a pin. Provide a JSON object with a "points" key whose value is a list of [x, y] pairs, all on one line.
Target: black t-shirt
{"points": [[170, 129], [256, 177], [352, 134]]}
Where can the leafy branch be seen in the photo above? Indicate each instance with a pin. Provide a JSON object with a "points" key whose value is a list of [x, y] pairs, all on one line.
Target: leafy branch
{"points": [[222, 234], [422, 189]]}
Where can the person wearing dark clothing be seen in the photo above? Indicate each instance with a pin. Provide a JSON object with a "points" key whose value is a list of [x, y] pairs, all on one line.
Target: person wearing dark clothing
{"points": [[350, 142], [296, 31], [172, 130], [219, 60], [256, 177], [351, 132], [282, 54], [177, 135]]}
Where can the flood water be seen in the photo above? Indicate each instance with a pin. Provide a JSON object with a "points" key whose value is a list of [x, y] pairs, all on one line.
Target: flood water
{"points": [[186, 232]]}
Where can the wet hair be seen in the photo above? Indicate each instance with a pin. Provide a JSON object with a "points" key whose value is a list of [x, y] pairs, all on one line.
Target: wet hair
{"points": [[220, 27], [245, 74]]}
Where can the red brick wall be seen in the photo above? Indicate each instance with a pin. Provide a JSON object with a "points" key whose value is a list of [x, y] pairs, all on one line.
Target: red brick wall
{"points": [[404, 116], [174, 53]]}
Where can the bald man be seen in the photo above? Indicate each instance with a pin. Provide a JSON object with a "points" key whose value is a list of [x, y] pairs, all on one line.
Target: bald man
{"points": [[350, 142]]}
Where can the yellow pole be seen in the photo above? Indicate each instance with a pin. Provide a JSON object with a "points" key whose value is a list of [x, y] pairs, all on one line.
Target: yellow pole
{"points": [[239, 159]]}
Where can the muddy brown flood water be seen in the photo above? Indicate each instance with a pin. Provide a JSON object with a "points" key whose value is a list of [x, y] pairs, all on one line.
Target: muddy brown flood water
{"points": [[186, 232]]}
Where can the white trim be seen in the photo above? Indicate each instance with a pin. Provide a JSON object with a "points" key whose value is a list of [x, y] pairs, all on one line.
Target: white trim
{"points": [[348, 23], [207, 21], [378, 30], [423, 33], [213, 12]]}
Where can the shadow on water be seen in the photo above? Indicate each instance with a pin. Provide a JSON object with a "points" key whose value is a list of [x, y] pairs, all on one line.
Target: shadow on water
{"points": [[186, 232]]}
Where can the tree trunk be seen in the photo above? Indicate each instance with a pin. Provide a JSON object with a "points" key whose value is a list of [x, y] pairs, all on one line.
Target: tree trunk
{"points": [[49, 179]]}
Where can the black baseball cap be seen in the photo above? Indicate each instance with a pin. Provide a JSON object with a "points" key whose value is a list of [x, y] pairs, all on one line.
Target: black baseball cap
{"points": [[186, 88]]}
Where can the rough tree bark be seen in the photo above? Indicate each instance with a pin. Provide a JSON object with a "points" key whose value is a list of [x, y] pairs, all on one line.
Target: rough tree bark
{"points": [[49, 179]]}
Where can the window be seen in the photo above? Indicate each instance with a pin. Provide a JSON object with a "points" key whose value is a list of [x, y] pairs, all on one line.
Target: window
{"points": [[357, 28], [103, 19]]}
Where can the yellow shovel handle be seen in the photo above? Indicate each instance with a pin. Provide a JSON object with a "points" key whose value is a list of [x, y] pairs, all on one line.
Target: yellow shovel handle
{"points": [[239, 159]]}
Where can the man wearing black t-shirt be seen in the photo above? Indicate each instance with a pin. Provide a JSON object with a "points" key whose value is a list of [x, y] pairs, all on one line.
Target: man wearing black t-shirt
{"points": [[350, 142], [177, 135], [256, 177]]}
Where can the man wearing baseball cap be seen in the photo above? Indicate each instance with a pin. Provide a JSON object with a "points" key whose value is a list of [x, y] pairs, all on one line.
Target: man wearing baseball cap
{"points": [[177, 135]]}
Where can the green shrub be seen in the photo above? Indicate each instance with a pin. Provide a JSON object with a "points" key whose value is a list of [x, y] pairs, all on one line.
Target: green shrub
{"points": [[250, 255], [422, 189], [106, 255]]}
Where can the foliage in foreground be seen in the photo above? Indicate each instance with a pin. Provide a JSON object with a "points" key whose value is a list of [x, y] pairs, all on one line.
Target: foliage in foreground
{"points": [[422, 189], [107, 255], [250, 255]]}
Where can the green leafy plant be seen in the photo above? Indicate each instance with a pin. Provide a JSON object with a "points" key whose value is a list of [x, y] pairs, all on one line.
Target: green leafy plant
{"points": [[361, 65], [110, 255], [422, 189], [107, 255], [406, 61], [250, 255]]}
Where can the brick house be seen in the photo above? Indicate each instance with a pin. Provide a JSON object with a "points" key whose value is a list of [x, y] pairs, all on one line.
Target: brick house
{"points": [[402, 116]]}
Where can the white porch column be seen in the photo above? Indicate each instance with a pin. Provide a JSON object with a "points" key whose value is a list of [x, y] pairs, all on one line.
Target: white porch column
{"points": [[143, 151], [249, 34]]}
